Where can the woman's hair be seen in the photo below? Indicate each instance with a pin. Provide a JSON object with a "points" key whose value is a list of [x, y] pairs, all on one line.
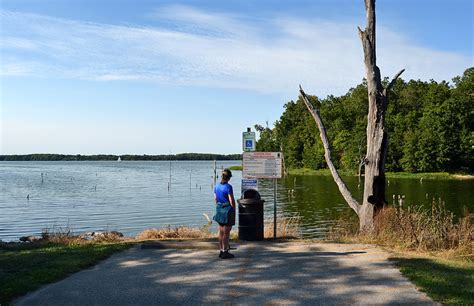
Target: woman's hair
{"points": [[226, 175]]}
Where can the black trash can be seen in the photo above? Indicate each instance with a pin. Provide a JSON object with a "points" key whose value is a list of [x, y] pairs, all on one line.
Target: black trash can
{"points": [[250, 216]]}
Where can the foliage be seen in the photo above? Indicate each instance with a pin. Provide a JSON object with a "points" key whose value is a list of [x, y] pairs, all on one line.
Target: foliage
{"points": [[430, 126], [267, 141]]}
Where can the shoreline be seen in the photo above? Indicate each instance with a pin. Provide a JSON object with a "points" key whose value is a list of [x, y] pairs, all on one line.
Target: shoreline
{"points": [[408, 175]]}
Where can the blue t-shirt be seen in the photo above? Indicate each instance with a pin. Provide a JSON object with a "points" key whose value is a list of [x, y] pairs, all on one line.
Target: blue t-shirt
{"points": [[222, 192]]}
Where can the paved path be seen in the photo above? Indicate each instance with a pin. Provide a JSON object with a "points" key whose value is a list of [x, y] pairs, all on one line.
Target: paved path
{"points": [[296, 273]]}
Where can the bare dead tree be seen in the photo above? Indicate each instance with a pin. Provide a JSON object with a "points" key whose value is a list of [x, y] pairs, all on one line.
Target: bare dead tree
{"points": [[377, 137]]}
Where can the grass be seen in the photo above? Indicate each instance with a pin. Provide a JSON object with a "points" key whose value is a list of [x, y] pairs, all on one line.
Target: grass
{"points": [[417, 228], [236, 168], [428, 175], [447, 281], [28, 266], [324, 172]]}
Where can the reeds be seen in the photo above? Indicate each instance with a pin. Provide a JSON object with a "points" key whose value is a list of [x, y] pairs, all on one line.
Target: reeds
{"points": [[61, 235], [287, 228], [419, 228], [415, 228]]}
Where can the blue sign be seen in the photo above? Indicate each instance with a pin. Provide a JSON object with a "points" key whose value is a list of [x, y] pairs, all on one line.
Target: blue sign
{"points": [[248, 141], [249, 184]]}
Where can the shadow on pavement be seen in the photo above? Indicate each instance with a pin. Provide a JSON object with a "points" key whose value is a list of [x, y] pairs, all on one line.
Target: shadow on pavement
{"points": [[262, 273]]}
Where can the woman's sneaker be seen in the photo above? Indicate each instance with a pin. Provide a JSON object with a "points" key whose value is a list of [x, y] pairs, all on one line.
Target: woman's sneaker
{"points": [[221, 253], [226, 255]]}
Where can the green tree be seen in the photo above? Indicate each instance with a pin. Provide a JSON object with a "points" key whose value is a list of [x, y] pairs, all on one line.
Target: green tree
{"points": [[430, 128]]}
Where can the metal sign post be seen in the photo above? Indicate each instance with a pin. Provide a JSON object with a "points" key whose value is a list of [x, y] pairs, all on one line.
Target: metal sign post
{"points": [[274, 208]]}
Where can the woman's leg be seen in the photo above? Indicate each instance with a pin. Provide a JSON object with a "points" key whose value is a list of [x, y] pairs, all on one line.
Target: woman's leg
{"points": [[221, 235], [227, 230]]}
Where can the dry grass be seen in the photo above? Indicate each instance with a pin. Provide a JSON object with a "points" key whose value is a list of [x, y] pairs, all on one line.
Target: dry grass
{"points": [[415, 229], [175, 233], [287, 227], [60, 235], [66, 236], [345, 229]]}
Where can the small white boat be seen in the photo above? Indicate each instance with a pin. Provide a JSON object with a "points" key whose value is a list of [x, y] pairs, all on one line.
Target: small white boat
{"points": [[119, 159]]}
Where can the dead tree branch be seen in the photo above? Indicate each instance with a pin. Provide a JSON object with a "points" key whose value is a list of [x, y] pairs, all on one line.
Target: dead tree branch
{"points": [[390, 85], [327, 155]]}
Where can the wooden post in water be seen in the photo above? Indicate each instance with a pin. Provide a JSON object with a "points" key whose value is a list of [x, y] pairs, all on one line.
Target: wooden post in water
{"points": [[169, 183], [215, 172]]}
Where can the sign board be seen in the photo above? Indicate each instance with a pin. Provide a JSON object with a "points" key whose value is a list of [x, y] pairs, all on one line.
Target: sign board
{"points": [[248, 141], [249, 184], [262, 165]]}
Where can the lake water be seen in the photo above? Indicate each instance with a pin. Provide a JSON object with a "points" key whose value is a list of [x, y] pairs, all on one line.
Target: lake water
{"points": [[132, 196]]}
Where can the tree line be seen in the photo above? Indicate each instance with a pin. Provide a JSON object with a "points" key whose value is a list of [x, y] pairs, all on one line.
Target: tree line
{"points": [[99, 157], [430, 126]]}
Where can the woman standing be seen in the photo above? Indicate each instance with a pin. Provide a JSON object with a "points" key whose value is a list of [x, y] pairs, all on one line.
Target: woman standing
{"points": [[225, 212]]}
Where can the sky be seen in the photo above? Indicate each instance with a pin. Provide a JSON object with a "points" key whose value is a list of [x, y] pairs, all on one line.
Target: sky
{"points": [[160, 77]]}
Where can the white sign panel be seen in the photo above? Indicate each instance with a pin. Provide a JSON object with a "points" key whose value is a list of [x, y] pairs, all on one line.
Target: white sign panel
{"points": [[248, 141], [262, 165], [249, 184]]}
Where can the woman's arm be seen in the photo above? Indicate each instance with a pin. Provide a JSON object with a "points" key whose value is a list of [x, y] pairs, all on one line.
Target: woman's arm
{"points": [[232, 200]]}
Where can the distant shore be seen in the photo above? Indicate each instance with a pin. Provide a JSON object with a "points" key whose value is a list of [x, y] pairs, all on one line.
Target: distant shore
{"points": [[125, 157]]}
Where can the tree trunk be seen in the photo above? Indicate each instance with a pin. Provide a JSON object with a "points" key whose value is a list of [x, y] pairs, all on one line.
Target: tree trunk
{"points": [[377, 137]]}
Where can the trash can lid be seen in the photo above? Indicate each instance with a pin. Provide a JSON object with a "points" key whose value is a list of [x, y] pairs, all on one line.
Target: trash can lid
{"points": [[250, 194], [250, 201]]}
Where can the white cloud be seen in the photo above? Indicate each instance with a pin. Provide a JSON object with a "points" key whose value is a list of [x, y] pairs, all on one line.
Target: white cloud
{"points": [[194, 47]]}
